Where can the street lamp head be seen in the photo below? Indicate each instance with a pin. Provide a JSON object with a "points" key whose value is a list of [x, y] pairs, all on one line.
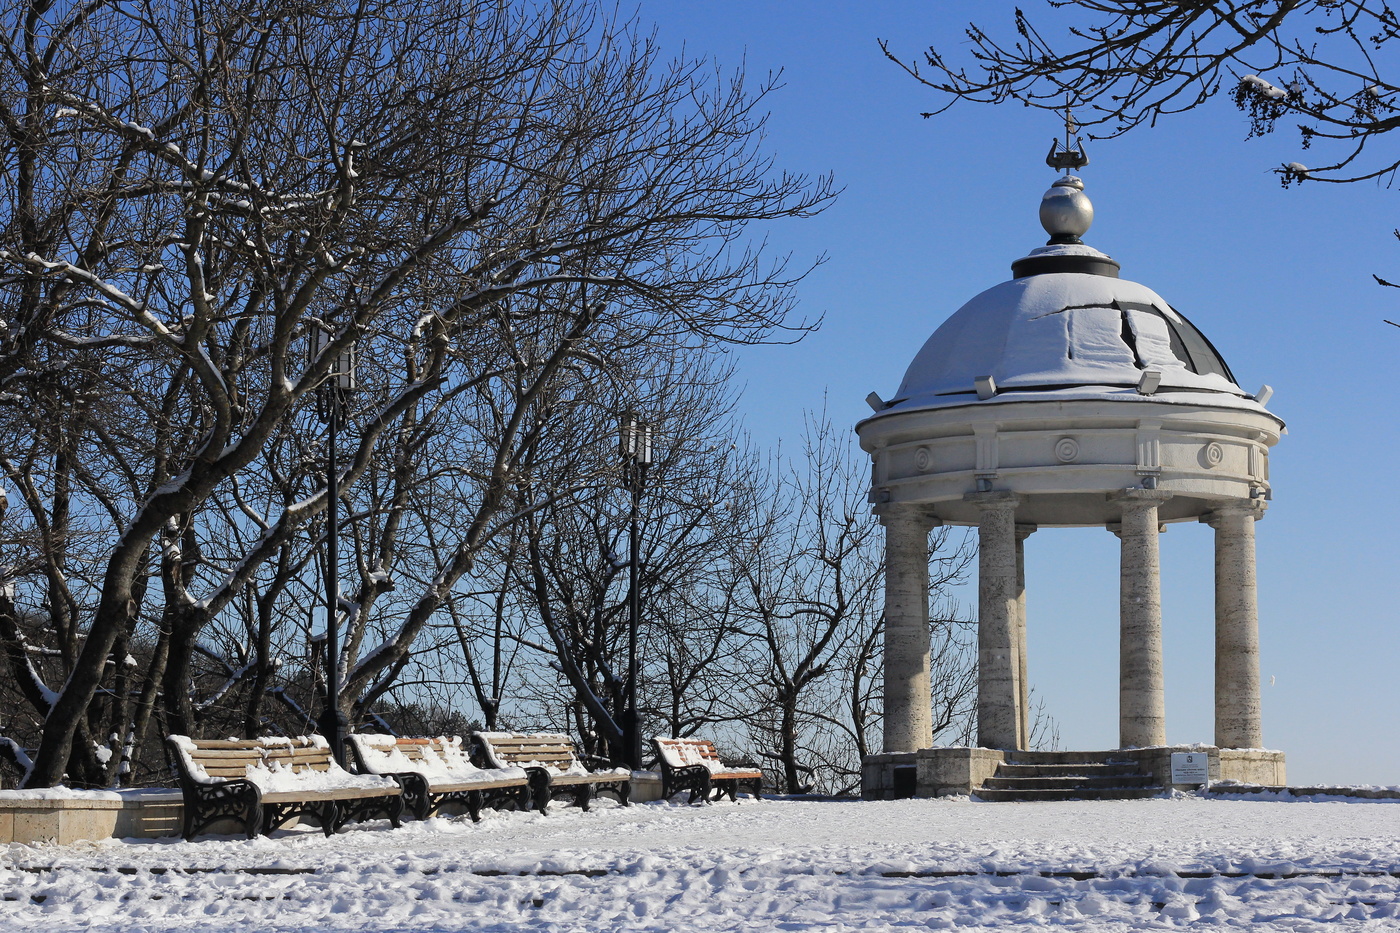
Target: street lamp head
{"points": [[626, 422], [634, 434], [342, 374]]}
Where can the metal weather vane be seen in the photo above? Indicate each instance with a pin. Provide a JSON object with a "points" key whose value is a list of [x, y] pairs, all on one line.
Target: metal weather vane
{"points": [[1067, 157]]}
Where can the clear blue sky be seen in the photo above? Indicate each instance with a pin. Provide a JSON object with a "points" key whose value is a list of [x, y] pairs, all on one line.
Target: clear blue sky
{"points": [[934, 212]]}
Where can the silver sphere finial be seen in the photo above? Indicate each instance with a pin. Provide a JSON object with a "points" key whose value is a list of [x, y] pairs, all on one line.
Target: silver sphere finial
{"points": [[1066, 211]]}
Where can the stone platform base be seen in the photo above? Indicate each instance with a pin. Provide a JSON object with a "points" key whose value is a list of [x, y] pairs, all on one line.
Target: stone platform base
{"points": [[943, 772], [143, 813]]}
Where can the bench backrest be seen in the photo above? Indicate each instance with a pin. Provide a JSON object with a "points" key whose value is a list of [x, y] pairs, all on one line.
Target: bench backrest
{"points": [[523, 749], [681, 753], [441, 756], [208, 760]]}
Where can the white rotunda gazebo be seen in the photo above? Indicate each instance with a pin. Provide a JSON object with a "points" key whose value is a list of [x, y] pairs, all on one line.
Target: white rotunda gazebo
{"points": [[1066, 397]]}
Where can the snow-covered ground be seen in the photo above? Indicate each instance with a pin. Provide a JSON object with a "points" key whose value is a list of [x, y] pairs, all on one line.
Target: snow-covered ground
{"points": [[759, 866]]}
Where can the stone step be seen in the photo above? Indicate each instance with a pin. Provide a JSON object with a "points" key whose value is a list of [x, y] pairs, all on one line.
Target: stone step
{"points": [[1085, 768], [1001, 782], [1058, 777], [1081, 793], [1028, 757]]}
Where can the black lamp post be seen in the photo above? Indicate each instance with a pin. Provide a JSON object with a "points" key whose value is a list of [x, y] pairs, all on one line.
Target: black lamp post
{"points": [[635, 435], [331, 398]]}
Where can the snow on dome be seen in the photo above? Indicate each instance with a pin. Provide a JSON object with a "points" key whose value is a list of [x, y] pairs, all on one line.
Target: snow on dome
{"points": [[1064, 331], [1068, 249], [1066, 327]]}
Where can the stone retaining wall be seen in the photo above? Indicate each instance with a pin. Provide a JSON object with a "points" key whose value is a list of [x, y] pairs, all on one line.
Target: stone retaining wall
{"points": [[142, 813]]}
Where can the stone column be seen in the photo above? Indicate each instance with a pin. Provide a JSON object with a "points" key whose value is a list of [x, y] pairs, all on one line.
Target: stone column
{"points": [[1023, 684], [1142, 711], [1238, 720], [998, 652], [908, 705]]}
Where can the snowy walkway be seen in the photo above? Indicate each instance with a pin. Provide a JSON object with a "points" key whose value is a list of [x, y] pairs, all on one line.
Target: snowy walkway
{"points": [[773, 865]]}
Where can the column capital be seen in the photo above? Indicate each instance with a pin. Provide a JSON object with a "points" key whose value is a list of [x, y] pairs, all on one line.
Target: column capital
{"points": [[894, 513], [1024, 531], [1234, 507], [994, 500], [1116, 528], [1134, 498]]}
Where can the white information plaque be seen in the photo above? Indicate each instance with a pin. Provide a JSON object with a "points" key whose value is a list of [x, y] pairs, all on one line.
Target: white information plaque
{"points": [[1190, 768]]}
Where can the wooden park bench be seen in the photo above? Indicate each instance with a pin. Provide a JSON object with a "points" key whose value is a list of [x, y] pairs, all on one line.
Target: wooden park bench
{"points": [[438, 771], [695, 765], [264, 783], [552, 764]]}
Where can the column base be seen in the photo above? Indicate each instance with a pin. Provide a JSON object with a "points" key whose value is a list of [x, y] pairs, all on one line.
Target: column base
{"points": [[1253, 766], [889, 776], [934, 772]]}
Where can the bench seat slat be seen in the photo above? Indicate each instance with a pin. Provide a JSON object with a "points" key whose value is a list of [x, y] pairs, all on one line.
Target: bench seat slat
{"points": [[217, 754], [339, 793], [254, 744], [570, 779], [456, 787]]}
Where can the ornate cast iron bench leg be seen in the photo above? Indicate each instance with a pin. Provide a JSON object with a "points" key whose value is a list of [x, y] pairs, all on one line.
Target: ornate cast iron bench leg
{"points": [[692, 778], [187, 827], [253, 818], [698, 779], [416, 799], [273, 815], [206, 804], [515, 798], [359, 809], [540, 792]]}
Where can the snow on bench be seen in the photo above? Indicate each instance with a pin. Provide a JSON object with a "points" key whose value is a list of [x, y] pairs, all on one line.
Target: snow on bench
{"points": [[437, 771], [695, 765], [550, 760], [263, 783]]}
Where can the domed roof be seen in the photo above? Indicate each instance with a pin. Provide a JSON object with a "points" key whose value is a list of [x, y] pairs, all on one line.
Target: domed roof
{"points": [[1066, 327]]}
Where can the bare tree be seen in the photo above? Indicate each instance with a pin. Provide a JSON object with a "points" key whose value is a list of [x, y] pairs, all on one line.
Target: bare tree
{"points": [[573, 571], [801, 588], [809, 596], [1320, 64], [812, 585], [483, 196]]}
